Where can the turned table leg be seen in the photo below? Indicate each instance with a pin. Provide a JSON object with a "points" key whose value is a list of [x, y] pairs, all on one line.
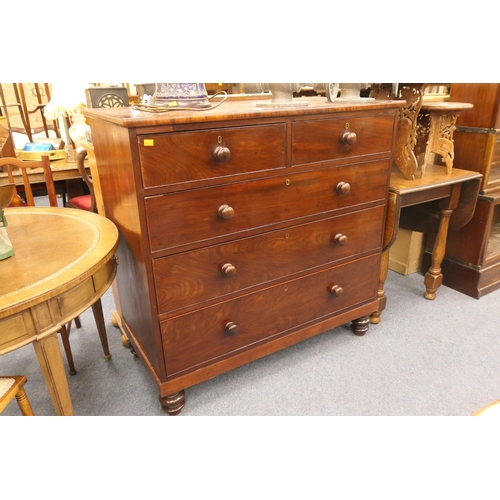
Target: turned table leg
{"points": [[434, 278], [101, 328], [382, 298], [390, 232]]}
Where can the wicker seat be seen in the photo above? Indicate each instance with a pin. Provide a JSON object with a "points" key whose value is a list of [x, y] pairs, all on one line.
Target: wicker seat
{"points": [[13, 387]]}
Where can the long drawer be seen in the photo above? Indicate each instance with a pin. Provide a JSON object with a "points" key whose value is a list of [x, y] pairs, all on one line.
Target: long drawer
{"points": [[187, 156], [191, 278], [226, 328], [199, 215], [332, 139]]}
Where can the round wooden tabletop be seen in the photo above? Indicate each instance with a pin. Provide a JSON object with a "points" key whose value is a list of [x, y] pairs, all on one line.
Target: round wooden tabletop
{"points": [[55, 249]]}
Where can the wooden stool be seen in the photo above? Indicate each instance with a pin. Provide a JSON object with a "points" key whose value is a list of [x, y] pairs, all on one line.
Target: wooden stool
{"points": [[491, 410], [436, 124], [13, 387]]}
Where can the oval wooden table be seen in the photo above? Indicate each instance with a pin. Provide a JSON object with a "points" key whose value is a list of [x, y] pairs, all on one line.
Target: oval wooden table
{"points": [[63, 263]]}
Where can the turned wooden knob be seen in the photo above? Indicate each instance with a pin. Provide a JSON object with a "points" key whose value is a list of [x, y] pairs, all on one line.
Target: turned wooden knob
{"points": [[228, 270], [231, 328], [226, 212], [336, 290], [343, 188], [340, 239], [349, 138], [221, 153]]}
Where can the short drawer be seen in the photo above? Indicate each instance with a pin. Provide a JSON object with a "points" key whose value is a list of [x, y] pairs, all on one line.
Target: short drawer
{"points": [[226, 328], [324, 140], [193, 277], [181, 157], [198, 215]]}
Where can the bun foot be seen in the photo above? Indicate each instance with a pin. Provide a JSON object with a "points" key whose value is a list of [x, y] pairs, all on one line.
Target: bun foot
{"points": [[360, 326], [174, 403], [115, 320]]}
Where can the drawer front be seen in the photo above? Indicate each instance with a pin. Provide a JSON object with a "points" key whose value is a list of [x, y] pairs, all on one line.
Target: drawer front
{"points": [[178, 219], [200, 275], [226, 328], [188, 156], [323, 140]]}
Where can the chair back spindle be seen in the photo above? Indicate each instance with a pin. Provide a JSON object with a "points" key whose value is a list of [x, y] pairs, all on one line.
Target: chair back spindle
{"points": [[23, 165]]}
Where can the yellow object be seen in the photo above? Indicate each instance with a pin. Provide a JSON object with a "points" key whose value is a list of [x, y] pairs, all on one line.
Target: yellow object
{"points": [[57, 154]]}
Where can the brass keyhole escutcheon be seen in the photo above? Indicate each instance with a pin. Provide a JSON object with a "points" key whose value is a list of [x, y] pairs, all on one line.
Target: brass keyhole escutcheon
{"points": [[347, 126], [219, 139], [286, 289], [287, 235], [287, 182]]}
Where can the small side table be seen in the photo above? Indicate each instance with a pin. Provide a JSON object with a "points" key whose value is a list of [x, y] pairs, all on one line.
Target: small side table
{"points": [[435, 127], [435, 203]]}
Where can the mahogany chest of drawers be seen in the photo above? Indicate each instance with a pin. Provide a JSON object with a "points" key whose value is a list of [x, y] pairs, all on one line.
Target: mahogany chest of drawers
{"points": [[243, 230]]}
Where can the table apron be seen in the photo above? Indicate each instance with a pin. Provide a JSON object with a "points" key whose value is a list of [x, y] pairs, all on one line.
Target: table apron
{"points": [[45, 319]]}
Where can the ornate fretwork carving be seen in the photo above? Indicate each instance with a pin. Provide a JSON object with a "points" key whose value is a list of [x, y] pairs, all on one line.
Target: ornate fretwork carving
{"points": [[406, 138], [440, 137]]}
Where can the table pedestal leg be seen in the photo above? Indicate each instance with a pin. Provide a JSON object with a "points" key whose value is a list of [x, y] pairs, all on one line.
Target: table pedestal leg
{"points": [[434, 278], [101, 328], [382, 298], [49, 356]]}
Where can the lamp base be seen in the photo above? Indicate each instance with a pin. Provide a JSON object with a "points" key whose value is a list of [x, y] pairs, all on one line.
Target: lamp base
{"points": [[283, 96], [180, 95]]}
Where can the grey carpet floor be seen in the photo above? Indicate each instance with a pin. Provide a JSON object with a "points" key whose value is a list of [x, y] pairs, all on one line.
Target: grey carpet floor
{"points": [[425, 358]]}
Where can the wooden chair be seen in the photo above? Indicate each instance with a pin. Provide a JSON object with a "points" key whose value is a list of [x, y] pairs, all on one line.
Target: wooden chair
{"points": [[42, 93], [13, 387], [6, 143], [24, 166], [30, 201], [86, 201]]}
